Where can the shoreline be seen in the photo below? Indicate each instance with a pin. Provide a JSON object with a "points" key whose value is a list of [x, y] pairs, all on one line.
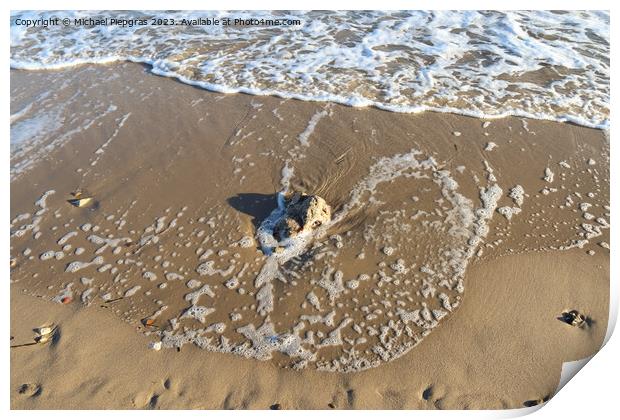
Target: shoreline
{"points": [[224, 90], [151, 159]]}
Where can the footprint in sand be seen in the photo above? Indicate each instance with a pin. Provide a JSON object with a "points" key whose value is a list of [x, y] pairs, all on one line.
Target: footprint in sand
{"points": [[152, 404], [151, 400], [30, 390], [350, 397], [427, 394], [338, 400], [533, 403]]}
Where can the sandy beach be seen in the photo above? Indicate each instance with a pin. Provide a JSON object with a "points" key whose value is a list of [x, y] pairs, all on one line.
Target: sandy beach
{"points": [[484, 367], [458, 245]]}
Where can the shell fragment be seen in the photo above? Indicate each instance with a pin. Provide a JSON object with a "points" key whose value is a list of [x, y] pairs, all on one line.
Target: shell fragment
{"points": [[80, 199]]}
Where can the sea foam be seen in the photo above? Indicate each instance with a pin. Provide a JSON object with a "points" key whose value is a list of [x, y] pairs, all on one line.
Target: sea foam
{"points": [[537, 64]]}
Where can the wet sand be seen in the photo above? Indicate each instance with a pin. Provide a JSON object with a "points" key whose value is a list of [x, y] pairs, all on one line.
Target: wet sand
{"points": [[212, 163]]}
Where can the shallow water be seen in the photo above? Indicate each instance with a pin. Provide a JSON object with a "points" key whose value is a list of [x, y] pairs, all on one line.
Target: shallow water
{"points": [[206, 282], [538, 64]]}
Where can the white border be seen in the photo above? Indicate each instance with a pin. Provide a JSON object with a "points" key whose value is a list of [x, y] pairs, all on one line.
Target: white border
{"points": [[591, 393]]}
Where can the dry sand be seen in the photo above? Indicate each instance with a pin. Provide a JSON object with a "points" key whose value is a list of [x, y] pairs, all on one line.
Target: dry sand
{"points": [[214, 154]]}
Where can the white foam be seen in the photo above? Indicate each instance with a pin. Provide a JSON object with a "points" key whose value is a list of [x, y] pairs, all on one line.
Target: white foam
{"points": [[548, 175], [517, 194], [101, 150], [193, 297], [287, 175], [508, 212], [305, 135], [199, 313], [265, 341], [76, 266], [490, 146], [132, 291], [383, 60], [66, 237]]}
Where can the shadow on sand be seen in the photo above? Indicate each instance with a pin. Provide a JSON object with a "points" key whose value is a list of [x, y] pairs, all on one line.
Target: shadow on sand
{"points": [[259, 206]]}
